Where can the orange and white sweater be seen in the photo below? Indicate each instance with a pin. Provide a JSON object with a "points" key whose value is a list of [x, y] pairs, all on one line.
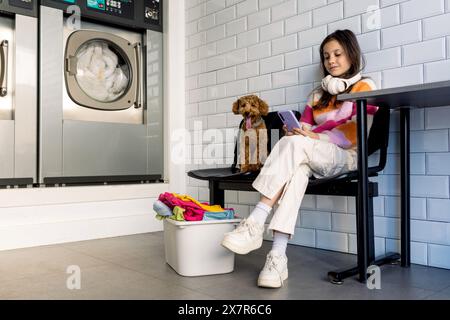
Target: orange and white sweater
{"points": [[336, 122]]}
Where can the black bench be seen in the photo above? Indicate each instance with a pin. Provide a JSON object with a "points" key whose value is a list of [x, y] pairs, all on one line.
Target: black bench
{"points": [[229, 178]]}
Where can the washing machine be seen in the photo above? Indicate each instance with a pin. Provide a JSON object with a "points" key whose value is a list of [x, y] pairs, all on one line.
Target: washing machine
{"points": [[18, 92], [101, 91]]}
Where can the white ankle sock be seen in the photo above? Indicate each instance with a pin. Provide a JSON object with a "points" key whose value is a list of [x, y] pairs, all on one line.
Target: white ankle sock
{"points": [[280, 241], [260, 212]]}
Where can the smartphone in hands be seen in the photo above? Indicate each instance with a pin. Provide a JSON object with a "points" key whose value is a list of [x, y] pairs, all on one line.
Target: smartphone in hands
{"points": [[289, 120]]}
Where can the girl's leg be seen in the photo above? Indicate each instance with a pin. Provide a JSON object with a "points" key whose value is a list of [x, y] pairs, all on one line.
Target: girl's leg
{"points": [[271, 202], [332, 160], [248, 235], [275, 270], [280, 241], [285, 218], [327, 159], [263, 208], [288, 154], [285, 157]]}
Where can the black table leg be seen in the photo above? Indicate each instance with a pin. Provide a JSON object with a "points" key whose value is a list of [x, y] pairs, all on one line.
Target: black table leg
{"points": [[216, 195], [362, 224], [405, 188], [364, 212], [364, 227]]}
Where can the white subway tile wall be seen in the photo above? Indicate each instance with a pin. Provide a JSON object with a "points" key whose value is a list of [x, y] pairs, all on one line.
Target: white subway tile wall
{"points": [[419, 9], [271, 48], [437, 71], [380, 245], [304, 237], [383, 18], [353, 23]]}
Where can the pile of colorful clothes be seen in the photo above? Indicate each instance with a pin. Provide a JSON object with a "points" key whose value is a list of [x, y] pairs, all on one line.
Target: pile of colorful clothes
{"points": [[185, 208]]}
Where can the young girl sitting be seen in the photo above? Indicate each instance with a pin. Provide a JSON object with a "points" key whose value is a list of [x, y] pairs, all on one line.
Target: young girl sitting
{"points": [[324, 146]]}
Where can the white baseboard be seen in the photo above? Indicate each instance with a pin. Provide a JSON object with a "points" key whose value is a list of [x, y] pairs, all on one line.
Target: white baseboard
{"points": [[32, 235], [37, 217]]}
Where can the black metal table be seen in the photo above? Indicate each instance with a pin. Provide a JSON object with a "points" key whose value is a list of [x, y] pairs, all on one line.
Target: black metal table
{"points": [[436, 94]]}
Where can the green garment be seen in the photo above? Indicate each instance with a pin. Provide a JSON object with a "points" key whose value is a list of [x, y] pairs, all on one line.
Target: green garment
{"points": [[178, 214]]}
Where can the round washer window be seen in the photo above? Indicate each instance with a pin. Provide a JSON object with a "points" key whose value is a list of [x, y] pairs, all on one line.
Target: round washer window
{"points": [[102, 72]]}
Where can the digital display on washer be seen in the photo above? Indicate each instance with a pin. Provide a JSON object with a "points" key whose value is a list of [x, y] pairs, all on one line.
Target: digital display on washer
{"points": [[66, 1], [119, 8], [96, 4]]}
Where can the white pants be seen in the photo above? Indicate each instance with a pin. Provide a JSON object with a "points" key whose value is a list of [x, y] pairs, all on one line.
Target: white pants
{"points": [[290, 164]]}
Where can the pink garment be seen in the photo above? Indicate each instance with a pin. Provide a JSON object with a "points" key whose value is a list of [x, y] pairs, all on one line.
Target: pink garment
{"points": [[193, 212], [334, 123]]}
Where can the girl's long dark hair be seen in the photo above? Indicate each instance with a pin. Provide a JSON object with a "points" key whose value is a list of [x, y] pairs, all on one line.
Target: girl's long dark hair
{"points": [[349, 43]]}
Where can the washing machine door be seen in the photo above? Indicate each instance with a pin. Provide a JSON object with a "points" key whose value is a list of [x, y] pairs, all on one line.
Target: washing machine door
{"points": [[102, 70]]}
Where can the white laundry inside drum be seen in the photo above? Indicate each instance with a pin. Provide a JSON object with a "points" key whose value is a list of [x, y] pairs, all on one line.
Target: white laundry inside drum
{"points": [[101, 73]]}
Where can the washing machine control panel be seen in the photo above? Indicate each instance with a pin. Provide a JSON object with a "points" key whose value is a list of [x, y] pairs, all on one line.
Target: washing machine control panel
{"points": [[136, 14], [120, 8], [152, 11], [26, 4], [23, 7]]}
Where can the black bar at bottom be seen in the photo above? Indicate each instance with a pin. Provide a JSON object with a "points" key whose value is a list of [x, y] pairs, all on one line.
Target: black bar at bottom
{"points": [[16, 181], [338, 276], [405, 188], [101, 179]]}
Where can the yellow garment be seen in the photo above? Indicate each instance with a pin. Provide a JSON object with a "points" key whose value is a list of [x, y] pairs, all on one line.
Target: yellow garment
{"points": [[214, 208]]}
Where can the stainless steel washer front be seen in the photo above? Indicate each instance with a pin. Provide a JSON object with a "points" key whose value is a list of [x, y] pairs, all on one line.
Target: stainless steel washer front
{"points": [[18, 98], [100, 101]]}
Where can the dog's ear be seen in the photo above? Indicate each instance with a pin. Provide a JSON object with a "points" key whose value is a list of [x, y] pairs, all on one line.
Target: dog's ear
{"points": [[263, 107], [236, 107]]}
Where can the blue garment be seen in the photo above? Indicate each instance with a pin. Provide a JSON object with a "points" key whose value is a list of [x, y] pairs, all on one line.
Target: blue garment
{"points": [[221, 215], [162, 209]]}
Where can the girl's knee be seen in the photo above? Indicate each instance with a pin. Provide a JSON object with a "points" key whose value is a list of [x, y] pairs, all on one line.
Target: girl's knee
{"points": [[291, 142]]}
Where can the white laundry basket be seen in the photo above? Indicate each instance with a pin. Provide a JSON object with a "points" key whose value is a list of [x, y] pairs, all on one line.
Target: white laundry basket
{"points": [[193, 247]]}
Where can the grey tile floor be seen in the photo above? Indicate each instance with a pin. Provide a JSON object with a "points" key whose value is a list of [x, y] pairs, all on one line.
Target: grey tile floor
{"points": [[133, 267]]}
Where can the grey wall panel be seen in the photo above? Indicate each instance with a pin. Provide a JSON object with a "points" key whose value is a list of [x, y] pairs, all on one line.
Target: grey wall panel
{"points": [[7, 148], [25, 112], [51, 81], [154, 117], [100, 148]]}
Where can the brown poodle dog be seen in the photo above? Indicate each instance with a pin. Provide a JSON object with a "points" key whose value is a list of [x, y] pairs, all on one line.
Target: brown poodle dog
{"points": [[252, 137]]}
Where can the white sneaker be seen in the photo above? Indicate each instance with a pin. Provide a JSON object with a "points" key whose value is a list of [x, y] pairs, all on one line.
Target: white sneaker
{"points": [[275, 271], [247, 236]]}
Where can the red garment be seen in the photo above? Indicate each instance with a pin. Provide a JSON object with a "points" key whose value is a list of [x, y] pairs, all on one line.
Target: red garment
{"points": [[193, 212]]}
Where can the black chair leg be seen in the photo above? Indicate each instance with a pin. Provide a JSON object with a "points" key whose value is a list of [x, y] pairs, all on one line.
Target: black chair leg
{"points": [[216, 195]]}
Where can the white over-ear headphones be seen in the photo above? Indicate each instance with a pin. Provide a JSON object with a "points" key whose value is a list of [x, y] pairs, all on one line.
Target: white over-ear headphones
{"points": [[338, 85]]}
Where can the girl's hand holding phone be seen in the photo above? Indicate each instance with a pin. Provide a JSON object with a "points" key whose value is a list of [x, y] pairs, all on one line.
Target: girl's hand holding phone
{"points": [[301, 131], [286, 132]]}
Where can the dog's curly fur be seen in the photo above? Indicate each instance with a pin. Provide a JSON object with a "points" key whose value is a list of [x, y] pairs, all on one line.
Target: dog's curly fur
{"points": [[252, 152]]}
